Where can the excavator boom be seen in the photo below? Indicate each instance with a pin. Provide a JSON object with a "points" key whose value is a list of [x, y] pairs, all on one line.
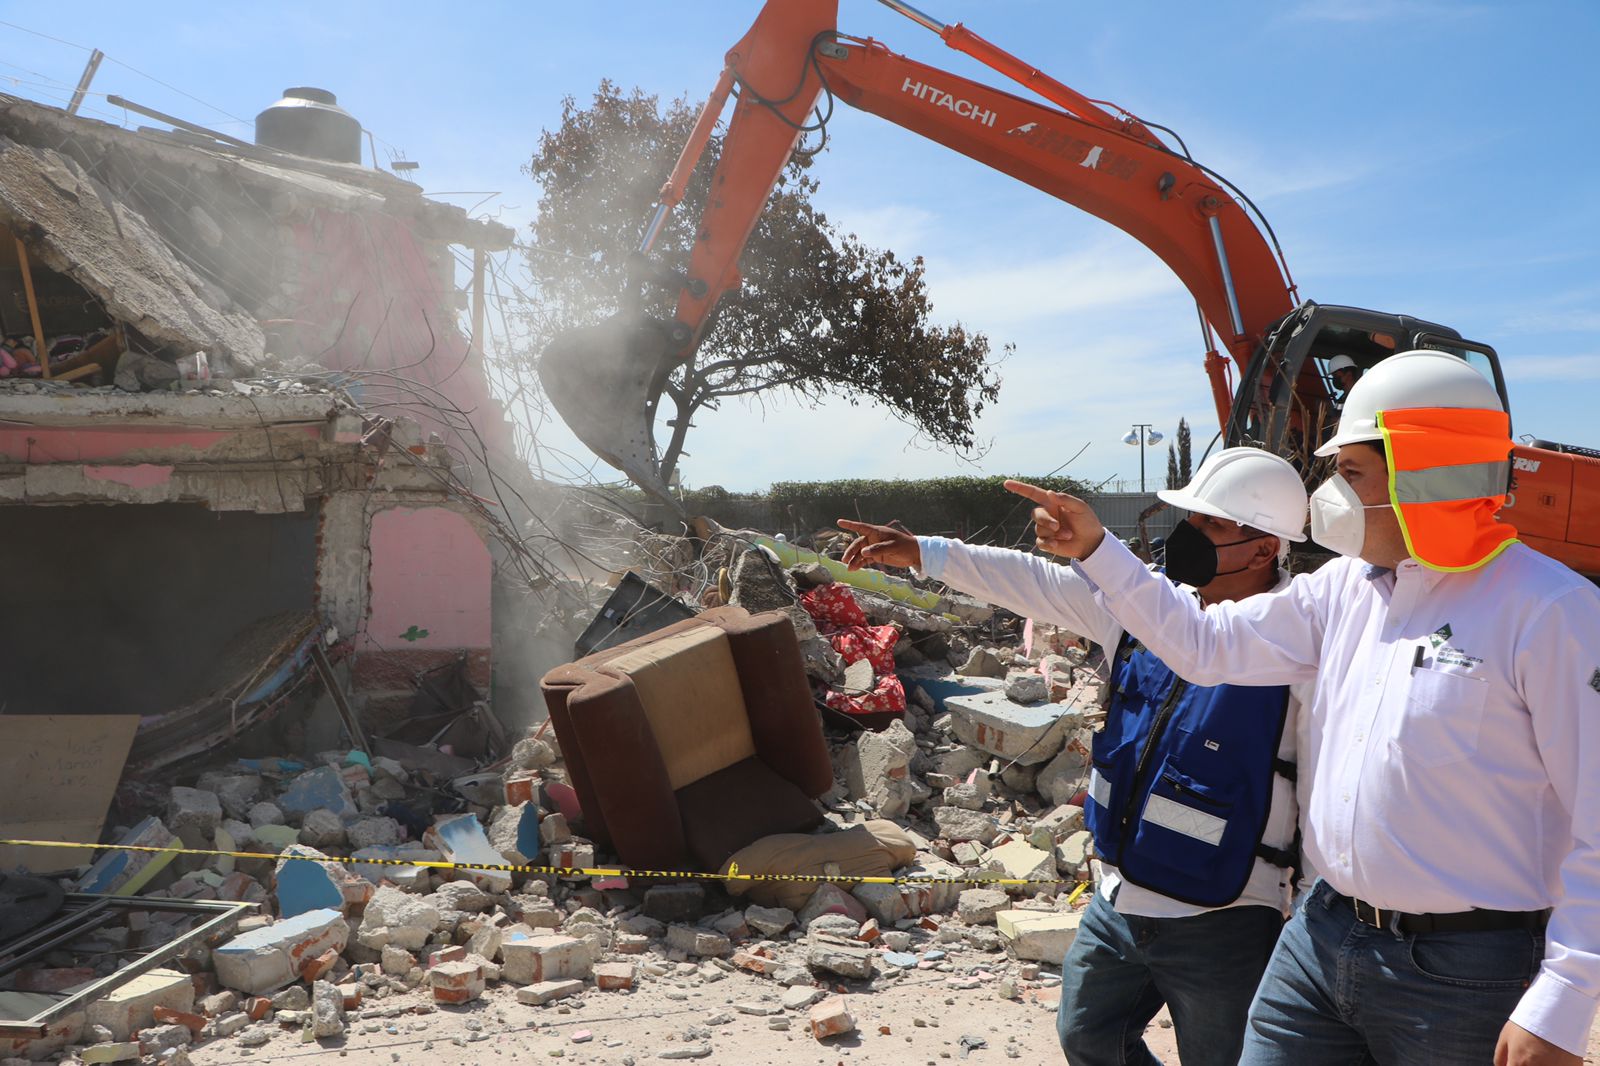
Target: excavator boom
{"points": [[792, 60], [791, 68]]}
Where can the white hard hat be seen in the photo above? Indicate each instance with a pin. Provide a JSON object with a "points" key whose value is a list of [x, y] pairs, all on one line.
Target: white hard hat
{"points": [[1341, 362], [1249, 486], [1407, 380]]}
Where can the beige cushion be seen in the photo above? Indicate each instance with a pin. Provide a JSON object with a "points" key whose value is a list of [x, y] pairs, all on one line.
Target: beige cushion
{"points": [[872, 849], [690, 692]]}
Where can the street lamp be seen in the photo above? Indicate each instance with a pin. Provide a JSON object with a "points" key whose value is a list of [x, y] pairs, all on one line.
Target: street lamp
{"points": [[1152, 437]]}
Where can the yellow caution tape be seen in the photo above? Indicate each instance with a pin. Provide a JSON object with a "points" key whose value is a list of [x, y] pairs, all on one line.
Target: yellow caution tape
{"points": [[733, 873]]}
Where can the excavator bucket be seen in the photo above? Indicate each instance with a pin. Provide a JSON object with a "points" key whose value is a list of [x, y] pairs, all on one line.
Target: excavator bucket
{"points": [[604, 381]]}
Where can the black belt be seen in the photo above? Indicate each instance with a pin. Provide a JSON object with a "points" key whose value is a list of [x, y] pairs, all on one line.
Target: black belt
{"points": [[1473, 921]]}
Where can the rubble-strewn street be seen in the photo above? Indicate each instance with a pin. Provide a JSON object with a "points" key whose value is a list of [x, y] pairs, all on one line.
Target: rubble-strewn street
{"points": [[355, 948]]}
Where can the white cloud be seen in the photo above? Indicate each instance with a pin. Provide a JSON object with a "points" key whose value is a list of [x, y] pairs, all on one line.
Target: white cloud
{"points": [[1579, 367], [898, 226]]}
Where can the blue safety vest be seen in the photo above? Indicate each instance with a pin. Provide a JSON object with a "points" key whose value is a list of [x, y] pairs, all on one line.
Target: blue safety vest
{"points": [[1181, 783]]}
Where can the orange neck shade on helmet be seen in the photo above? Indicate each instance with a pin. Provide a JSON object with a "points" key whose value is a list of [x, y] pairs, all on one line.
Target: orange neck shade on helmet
{"points": [[1448, 473]]}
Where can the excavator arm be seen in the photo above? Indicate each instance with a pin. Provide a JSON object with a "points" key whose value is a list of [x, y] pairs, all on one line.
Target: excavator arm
{"points": [[792, 59]]}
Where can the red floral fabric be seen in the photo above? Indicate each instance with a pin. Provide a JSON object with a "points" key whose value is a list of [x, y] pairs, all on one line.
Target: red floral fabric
{"points": [[840, 619]]}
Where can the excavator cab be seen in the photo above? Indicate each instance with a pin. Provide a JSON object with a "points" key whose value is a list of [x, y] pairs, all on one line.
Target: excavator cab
{"points": [[1287, 401]]}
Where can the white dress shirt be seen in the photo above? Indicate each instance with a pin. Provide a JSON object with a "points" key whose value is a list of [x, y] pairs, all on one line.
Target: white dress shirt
{"points": [[1452, 738], [1050, 592]]}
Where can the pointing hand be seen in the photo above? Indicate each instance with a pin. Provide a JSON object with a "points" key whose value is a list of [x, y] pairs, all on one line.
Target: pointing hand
{"points": [[880, 544], [1062, 524]]}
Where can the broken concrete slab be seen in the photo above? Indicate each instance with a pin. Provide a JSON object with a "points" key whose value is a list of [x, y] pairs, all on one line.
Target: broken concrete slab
{"points": [[396, 917], [1054, 827], [542, 992], [1000, 726], [827, 957], [1064, 776], [327, 1010], [1027, 687], [374, 833], [514, 833], [1021, 860], [238, 792], [302, 886], [769, 921], [959, 825], [530, 960], [692, 940], [126, 872], [978, 906], [319, 789], [831, 1017], [124, 1011], [1040, 936], [461, 838], [1073, 854], [193, 810], [456, 982], [264, 960]]}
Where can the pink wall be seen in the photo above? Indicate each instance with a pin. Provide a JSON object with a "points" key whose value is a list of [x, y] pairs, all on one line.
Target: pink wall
{"points": [[430, 569], [394, 303]]}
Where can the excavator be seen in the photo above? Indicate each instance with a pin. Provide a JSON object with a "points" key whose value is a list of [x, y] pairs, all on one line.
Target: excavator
{"points": [[1271, 387]]}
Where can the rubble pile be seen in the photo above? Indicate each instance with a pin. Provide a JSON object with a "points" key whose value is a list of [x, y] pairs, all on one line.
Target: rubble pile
{"points": [[983, 772]]}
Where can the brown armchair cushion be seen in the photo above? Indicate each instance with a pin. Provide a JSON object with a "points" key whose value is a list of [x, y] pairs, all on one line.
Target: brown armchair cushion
{"points": [[686, 744], [725, 811]]}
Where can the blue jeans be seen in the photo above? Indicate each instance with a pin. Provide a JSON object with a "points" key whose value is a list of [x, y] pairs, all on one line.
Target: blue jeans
{"points": [[1338, 991], [1122, 968]]}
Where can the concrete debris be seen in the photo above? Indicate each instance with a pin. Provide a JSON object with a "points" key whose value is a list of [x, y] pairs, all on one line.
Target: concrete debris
{"points": [[1000, 726], [1042, 936], [982, 662], [266, 959], [831, 1017], [320, 789], [983, 776], [126, 1010]]}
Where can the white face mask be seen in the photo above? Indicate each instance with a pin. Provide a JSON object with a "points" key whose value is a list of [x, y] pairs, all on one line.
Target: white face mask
{"points": [[1338, 519]]}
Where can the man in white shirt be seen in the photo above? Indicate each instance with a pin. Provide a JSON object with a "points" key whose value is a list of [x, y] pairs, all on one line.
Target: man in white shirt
{"points": [[1192, 796], [1453, 740]]}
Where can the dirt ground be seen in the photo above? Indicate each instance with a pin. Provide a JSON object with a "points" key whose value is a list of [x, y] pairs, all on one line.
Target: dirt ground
{"points": [[628, 1028]]}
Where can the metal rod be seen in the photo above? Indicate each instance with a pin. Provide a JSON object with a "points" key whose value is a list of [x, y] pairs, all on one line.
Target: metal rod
{"points": [[63, 930], [480, 260], [330, 681], [83, 83], [926, 21], [1227, 277], [653, 230], [173, 120]]}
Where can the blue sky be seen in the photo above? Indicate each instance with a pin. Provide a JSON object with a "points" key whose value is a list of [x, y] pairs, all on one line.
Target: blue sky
{"points": [[1433, 157]]}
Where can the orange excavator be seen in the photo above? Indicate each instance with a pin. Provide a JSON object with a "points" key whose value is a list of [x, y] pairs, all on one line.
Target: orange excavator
{"points": [[1271, 387]]}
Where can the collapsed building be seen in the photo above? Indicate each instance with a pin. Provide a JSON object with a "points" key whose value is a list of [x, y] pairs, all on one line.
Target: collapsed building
{"points": [[259, 483], [238, 417]]}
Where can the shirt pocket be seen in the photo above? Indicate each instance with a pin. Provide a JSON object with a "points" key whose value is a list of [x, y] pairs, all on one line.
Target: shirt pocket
{"points": [[1443, 715]]}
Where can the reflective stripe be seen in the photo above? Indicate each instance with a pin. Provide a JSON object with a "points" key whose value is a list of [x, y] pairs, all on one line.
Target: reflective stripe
{"points": [[1170, 814], [1470, 481], [1099, 789]]}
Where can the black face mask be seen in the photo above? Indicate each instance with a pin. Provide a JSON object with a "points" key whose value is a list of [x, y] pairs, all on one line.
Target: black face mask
{"points": [[1192, 558]]}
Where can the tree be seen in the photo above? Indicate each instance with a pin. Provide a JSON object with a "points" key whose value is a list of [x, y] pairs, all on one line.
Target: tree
{"points": [[1173, 480], [1185, 453], [820, 312]]}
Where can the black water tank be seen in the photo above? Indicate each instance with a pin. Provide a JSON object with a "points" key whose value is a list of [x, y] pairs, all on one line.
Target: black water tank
{"points": [[310, 122]]}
